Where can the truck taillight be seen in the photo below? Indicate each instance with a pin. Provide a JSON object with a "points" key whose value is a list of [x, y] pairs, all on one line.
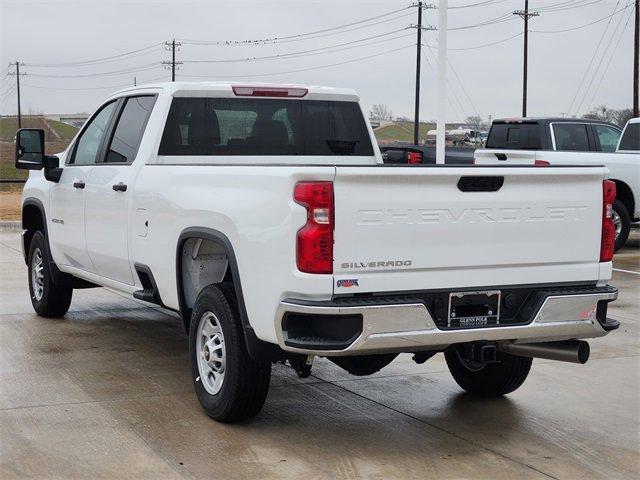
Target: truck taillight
{"points": [[608, 228], [414, 158], [315, 240], [541, 163]]}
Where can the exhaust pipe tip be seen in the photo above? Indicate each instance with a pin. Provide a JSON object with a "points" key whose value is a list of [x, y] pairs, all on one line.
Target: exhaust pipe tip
{"points": [[584, 351], [574, 351]]}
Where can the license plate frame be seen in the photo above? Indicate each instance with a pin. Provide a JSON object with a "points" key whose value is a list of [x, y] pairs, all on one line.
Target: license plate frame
{"points": [[476, 309]]}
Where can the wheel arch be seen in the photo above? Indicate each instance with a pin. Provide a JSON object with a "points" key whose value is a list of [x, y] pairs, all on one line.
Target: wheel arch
{"points": [[625, 195], [258, 349], [33, 219]]}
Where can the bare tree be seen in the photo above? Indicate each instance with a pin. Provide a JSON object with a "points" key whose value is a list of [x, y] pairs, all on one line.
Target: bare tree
{"points": [[606, 114], [381, 112], [476, 122]]}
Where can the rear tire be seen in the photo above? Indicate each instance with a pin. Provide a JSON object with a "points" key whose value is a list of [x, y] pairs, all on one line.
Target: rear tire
{"points": [[489, 379], [48, 298], [620, 211], [229, 384]]}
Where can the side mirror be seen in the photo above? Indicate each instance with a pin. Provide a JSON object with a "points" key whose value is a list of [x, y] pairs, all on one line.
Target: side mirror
{"points": [[30, 149]]}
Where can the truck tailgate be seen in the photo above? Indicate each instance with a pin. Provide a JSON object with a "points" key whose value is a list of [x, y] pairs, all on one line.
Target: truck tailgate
{"points": [[485, 156], [403, 228]]}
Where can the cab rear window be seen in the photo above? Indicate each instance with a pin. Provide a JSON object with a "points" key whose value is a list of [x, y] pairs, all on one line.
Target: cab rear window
{"points": [[631, 138], [514, 136], [247, 126]]}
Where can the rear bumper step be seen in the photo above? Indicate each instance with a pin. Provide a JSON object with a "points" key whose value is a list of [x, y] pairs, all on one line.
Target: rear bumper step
{"points": [[353, 326]]}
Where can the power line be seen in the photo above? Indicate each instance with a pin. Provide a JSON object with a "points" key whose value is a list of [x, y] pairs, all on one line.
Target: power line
{"points": [[464, 90], [501, 19], [613, 53], [602, 57], [582, 26], [290, 37], [313, 51], [108, 59], [104, 87], [149, 66], [450, 87], [475, 47], [307, 69], [604, 32], [570, 5], [479, 4]]}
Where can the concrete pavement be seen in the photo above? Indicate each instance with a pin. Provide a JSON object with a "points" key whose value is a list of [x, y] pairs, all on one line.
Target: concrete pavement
{"points": [[105, 393]]}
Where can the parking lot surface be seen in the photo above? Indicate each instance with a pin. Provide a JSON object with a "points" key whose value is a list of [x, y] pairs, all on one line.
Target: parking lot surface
{"points": [[105, 393]]}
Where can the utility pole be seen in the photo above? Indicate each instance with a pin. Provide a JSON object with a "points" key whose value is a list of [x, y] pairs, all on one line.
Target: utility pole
{"points": [[135, 82], [636, 71], [525, 14], [416, 115], [172, 46], [419, 28], [441, 124], [18, 74]]}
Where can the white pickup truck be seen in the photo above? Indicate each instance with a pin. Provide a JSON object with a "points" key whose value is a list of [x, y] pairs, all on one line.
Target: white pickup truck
{"points": [[556, 141], [265, 216]]}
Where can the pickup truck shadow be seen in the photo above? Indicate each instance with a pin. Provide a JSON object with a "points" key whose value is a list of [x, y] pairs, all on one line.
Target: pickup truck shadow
{"points": [[130, 366]]}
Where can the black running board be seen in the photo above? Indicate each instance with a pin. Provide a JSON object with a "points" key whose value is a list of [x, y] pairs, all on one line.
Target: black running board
{"points": [[146, 295], [149, 292]]}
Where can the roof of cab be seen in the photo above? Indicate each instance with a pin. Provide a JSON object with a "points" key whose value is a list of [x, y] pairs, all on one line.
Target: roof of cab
{"points": [[315, 92]]}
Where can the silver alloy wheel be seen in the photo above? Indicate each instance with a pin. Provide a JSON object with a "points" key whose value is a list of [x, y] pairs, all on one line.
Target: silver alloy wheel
{"points": [[617, 223], [211, 353], [37, 274]]}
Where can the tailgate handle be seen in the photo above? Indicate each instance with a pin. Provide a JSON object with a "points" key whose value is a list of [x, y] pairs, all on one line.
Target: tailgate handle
{"points": [[501, 156], [480, 184]]}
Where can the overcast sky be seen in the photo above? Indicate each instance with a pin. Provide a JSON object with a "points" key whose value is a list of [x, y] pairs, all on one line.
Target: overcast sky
{"points": [[488, 80]]}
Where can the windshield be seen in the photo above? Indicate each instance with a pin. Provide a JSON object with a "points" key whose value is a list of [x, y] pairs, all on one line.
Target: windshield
{"points": [[249, 126]]}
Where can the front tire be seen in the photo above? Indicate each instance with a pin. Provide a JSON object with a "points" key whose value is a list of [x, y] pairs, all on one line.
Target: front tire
{"points": [[49, 299], [622, 222], [489, 379], [229, 384]]}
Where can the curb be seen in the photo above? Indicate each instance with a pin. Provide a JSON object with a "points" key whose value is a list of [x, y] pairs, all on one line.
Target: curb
{"points": [[10, 226]]}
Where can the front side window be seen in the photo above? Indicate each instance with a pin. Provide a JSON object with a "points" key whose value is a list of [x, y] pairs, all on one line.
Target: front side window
{"points": [[90, 140], [608, 137], [128, 132], [248, 126], [571, 137], [631, 138]]}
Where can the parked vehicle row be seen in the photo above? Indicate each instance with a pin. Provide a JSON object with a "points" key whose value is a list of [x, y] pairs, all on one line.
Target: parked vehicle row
{"points": [[265, 216]]}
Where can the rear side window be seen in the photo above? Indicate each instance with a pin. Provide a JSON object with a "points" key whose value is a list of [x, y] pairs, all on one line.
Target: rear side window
{"points": [[571, 137], [248, 126], [128, 132], [607, 136], [631, 138], [514, 136]]}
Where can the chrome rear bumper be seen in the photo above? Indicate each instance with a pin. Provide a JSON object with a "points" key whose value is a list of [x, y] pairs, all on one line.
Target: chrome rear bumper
{"points": [[406, 327]]}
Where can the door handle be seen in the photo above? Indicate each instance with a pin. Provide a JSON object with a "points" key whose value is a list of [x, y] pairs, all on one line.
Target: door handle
{"points": [[120, 187], [78, 184]]}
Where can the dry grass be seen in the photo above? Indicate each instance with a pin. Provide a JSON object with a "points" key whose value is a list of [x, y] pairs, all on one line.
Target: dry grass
{"points": [[10, 202]]}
